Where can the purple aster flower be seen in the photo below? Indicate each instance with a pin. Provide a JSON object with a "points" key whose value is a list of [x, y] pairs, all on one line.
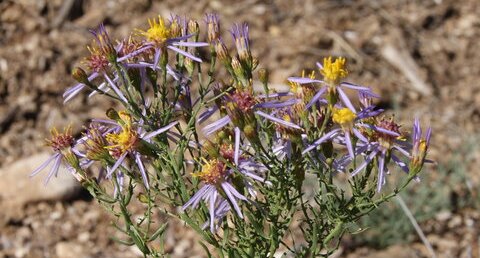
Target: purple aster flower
{"points": [[213, 27], [172, 36], [215, 175], [241, 108], [385, 139], [242, 43], [128, 141], [332, 72], [348, 122], [62, 145], [419, 146], [102, 53], [217, 178]]}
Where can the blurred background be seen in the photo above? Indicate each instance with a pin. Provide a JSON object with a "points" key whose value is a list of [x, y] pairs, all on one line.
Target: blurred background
{"points": [[422, 56]]}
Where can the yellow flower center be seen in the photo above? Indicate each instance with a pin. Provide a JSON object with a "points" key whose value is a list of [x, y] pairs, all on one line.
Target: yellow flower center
{"points": [[212, 172], [158, 31], [333, 72], [126, 139], [344, 117]]}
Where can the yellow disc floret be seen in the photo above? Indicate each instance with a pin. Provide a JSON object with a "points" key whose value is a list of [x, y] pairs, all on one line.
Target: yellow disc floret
{"points": [[344, 117], [333, 72], [212, 172], [126, 139], [158, 31]]}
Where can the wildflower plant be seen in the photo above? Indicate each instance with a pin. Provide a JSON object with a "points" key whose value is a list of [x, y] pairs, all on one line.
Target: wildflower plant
{"points": [[200, 136]]}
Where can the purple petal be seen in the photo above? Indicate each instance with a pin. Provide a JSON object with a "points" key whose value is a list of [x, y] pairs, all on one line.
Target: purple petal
{"points": [[345, 99], [359, 135], [54, 169], [159, 131], [191, 44], [348, 142], [365, 163], [381, 171], [401, 150], [217, 125], [103, 86], [139, 162], [383, 130], [356, 87], [156, 58], [400, 163], [229, 190], [417, 131], [237, 145], [278, 120], [178, 50], [379, 129], [368, 112], [277, 104], [115, 88], [139, 65], [316, 97], [326, 137], [428, 136], [44, 164], [366, 94], [235, 192], [253, 176], [303, 80], [278, 149], [117, 163], [78, 87], [73, 92], [213, 199], [206, 114], [275, 95], [197, 197], [134, 53]]}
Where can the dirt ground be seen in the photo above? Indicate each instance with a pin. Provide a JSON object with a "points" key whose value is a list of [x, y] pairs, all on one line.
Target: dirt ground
{"points": [[422, 56]]}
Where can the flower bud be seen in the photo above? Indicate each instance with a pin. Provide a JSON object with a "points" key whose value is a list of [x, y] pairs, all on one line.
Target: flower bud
{"points": [[238, 71], [263, 75], [242, 43], [113, 114], [222, 51], [71, 159], [250, 131], [193, 27], [213, 27], [175, 27], [189, 65], [80, 75]]}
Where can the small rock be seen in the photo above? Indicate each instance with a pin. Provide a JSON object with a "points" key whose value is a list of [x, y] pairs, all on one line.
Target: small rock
{"points": [[55, 215], [397, 251], [182, 247], [22, 252], [443, 215], [18, 188], [455, 222], [83, 237], [70, 250]]}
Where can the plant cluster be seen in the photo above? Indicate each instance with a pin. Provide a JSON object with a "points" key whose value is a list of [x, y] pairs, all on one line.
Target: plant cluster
{"points": [[198, 134]]}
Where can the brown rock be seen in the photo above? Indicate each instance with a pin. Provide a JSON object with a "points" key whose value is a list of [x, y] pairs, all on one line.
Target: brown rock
{"points": [[18, 188]]}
